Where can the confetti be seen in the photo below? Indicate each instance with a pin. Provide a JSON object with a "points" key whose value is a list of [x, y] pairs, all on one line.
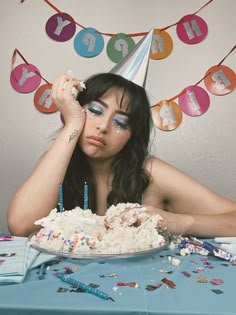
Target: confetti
{"points": [[216, 281], [133, 284], [130, 284], [186, 274], [94, 285], [68, 271], [6, 237], [74, 268], [77, 290], [199, 268], [152, 287], [217, 291], [174, 261], [225, 265], [172, 246], [202, 279], [193, 262], [166, 271], [112, 275], [62, 290], [168, 282]]}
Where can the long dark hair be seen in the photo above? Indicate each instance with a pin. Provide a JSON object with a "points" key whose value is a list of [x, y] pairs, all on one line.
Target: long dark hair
{"points": [[129, 177]]}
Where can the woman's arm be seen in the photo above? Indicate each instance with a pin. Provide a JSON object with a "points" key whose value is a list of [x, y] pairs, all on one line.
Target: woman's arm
{"points": [[192, 209], [39, 193]]}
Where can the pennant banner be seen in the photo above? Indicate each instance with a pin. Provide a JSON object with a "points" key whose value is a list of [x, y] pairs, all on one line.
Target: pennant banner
{"points": [[167, 114], [89, 42]]}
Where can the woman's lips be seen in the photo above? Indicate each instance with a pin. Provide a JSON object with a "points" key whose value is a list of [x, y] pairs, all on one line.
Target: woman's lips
{"points": [[98, 141]]}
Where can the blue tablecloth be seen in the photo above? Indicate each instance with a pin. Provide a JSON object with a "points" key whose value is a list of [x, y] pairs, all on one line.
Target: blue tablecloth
{"points": [[193, 294]]}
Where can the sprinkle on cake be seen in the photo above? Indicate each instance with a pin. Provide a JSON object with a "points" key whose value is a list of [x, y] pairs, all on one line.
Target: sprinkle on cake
{"points": [[126, 228]]}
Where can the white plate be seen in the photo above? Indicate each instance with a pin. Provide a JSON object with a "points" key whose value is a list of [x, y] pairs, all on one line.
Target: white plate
{"points": [[96, 255]]}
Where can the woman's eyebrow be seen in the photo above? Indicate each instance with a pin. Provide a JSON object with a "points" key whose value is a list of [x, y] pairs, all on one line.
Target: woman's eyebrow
{"points": [[102, 103], [117, 111]]}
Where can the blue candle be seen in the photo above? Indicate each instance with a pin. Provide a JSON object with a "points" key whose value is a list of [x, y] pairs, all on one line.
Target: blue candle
{"points": [[85, 196], [84, 286], [61, 207]]}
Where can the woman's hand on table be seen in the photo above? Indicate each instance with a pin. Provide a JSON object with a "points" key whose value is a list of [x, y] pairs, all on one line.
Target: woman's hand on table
{"points": [[175, 224]]}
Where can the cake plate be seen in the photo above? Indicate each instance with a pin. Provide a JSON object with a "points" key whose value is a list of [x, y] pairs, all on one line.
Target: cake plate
{"points": [[94, 254]]}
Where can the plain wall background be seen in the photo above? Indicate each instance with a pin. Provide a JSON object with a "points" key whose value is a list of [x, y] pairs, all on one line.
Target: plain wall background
{"points": [[203, 146]]}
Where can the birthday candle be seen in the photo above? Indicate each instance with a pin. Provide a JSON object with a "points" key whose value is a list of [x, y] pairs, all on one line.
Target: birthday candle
{"points": [[61, 198], [85, 196], [84, 286]]}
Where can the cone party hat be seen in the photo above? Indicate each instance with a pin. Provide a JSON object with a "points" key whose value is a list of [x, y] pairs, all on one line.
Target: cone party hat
{"points": [[134, 66]]}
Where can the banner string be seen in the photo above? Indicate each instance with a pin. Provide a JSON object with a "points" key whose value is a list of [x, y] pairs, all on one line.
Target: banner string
{"points": [[206, 75], [130, 34], [16, 51], [202, 7], [165, 28], [226, 55]]}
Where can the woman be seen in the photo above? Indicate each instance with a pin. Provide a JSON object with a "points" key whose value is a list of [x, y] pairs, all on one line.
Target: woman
{"points": [[104, 142]]}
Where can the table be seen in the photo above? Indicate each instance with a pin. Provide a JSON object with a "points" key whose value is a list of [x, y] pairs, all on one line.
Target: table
{"points": [[193, 293]]}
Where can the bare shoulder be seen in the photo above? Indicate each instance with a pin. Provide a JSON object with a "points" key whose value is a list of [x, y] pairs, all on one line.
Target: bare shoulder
{"points": [[163, 176], [159, 169], [170, 180], [156, 194], [153, 164]]}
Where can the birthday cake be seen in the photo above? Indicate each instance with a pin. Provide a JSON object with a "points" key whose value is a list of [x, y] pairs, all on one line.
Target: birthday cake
{"points": [[126, 228]]}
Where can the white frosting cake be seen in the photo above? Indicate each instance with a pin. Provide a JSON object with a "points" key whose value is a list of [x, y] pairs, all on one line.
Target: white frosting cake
{"points": [[126, 228]]}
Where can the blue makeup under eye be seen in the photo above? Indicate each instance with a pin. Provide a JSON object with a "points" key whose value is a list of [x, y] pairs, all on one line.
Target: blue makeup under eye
{"points": [[119, 120]]}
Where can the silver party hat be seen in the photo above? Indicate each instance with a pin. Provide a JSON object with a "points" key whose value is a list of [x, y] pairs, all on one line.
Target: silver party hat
{"points": [[134, 66]]}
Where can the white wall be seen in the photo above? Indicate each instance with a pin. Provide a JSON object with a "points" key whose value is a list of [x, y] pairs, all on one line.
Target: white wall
{"points": [[203, 147]]}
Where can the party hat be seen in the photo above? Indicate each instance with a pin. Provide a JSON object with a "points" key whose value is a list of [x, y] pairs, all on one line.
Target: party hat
{"points": [[134, 66]]}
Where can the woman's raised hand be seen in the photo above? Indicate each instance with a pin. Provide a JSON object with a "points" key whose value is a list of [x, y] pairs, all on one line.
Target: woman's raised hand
{"points": [[64, 92]]}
